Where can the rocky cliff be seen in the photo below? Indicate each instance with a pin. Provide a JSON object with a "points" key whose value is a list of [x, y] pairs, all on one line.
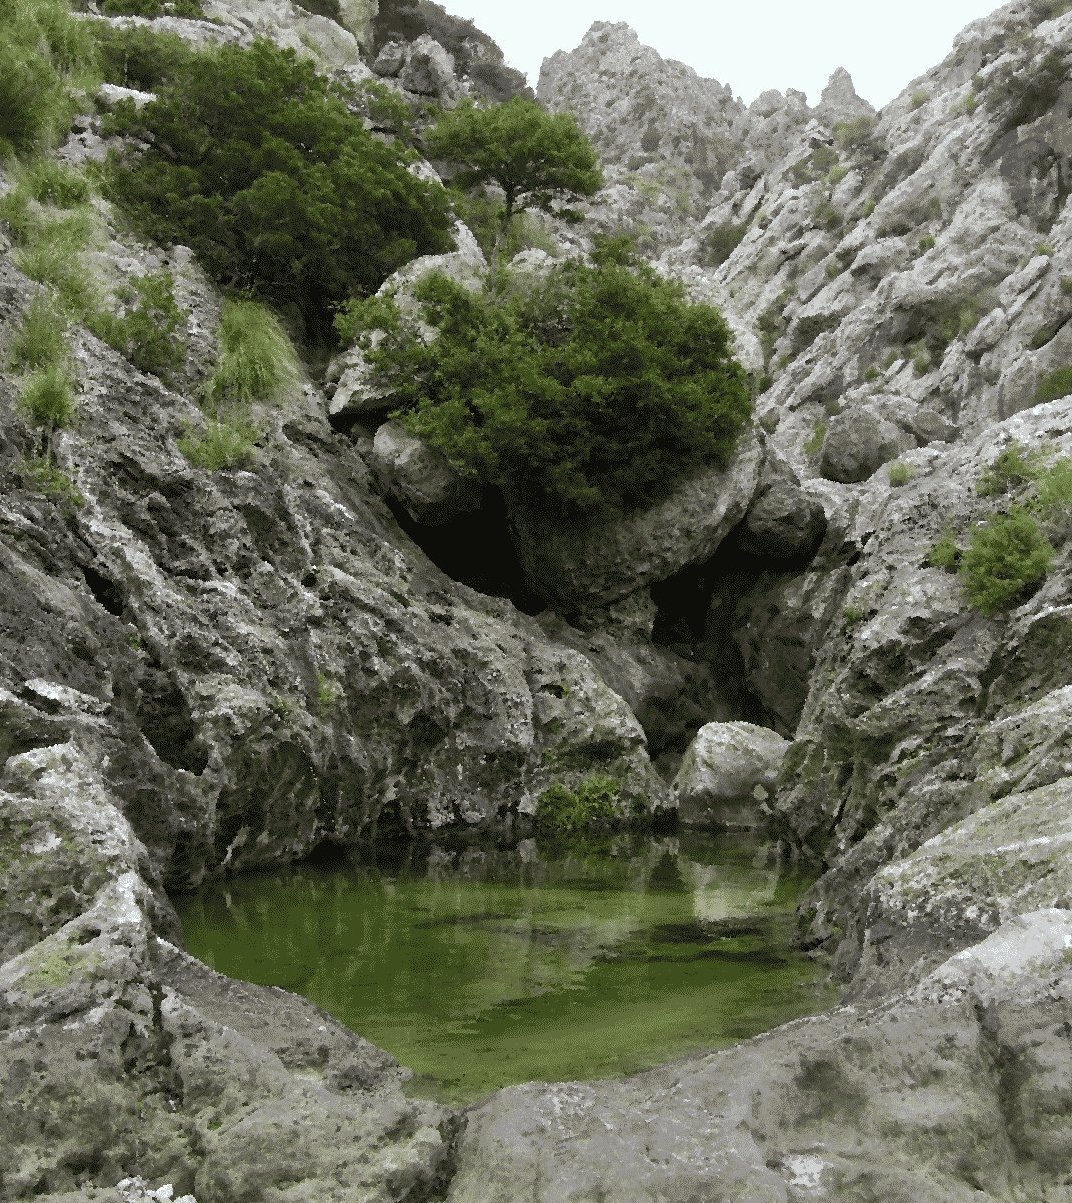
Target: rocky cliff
{"points": [[205, 671]]}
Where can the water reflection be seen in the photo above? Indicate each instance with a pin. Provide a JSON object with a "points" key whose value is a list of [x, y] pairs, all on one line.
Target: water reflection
{"points": [[479, 967]]}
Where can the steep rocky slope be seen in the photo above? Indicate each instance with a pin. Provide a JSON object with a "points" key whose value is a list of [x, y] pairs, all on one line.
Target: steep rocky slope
{"points": [[202, 672]]}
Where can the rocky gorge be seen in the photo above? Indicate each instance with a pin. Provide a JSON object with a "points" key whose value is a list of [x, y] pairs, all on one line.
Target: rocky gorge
{"points": [[205, 672]]}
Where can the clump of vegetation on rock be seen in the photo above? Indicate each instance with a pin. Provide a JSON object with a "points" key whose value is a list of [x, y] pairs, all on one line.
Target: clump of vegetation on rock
{"points": [[1054, 385], [151, 331], [719, 242], [257, 362], [255, 161], [44, 52], [1005, 558], [586, 392], [153, 8], [134, 56], [592, 807]]}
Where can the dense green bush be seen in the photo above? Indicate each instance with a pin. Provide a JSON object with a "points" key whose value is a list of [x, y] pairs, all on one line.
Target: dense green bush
{"points": [[151, 331], [221, 445], [255, 161], [134, 56], [591, 390], [592, 807], [719, 242], [153, 8], [43, 49], [1055, 385], [53, 183], [39, 341], [854, 134], [1014, 467], [46, 396], [1005, 558]]}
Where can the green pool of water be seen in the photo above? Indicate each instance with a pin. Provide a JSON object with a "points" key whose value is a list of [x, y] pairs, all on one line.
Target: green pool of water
{"points": [[480, 968]]}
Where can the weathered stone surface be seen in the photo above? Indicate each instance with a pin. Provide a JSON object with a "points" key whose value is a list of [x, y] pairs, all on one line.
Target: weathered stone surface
{"points": [[576, 567], [420, 478], [858, 443], [728, 774], [784, 523], [906, 1101]]}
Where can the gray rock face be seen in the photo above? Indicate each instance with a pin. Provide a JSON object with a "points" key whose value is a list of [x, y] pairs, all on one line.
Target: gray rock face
{"points": [[784, 523], [839, 101], [728, 774], [575, 567], [420, 478], [858, 443], [840, 1107]]}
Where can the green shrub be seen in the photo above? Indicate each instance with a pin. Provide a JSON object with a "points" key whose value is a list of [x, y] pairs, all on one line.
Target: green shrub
{"points": [[855, 134], [900, 474], [719, 242], [257, 362], [50, 252], [919, 99], [945, 554], [593, 807], [593, 391], [153, 8], [827, 216], [151, 332], [136, 57], [46, 396], [222, 445], [255, 161], [921, 359], [1015, 466], [1022, 99], [362, 315], [39, 341], [42, 51], [483, 215], [1005, 558], [1054, 385], [927, 243], [836, 174], [1066, 285], [1053, 490]]}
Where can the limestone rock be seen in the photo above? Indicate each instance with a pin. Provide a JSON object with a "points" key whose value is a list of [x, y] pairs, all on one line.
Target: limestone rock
{"points": [[428, 70], [577, 567], [839, 101], [420, 478], [727, 775], [784, 523], [857, 443], [828, 1109]]}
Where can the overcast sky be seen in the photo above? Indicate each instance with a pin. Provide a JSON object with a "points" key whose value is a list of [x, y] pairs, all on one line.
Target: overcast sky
{"points": [[751, 46]]}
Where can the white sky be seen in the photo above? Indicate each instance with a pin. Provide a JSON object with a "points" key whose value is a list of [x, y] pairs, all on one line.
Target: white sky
{"points": [[750, 44]]}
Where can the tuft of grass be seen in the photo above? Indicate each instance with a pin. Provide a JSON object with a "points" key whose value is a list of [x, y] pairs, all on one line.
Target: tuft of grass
{"points": [[900, 474], [1015, 466], [257, 362], [1054, 385], [919, 99], [39, 473], [1066, 285], [52, 183], [927, 243], [153, 8], [46, 396], [39, 341], [151, 332], [222, 445], [50, 253], [1044, 248], [945, 554], [814, 443]]}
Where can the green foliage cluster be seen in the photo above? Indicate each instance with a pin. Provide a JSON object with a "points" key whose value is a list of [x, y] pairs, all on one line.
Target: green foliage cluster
{"points": [[151, 331], [483, 215], [1005, 557], [44, 51], [540, 160], [153, 8], [134, 56], [900, 474], [588, 391], [1011, 553], [919, 99], [254, 160], [39, 340], [43, 476], [1054, 385], [593, 807], [720, 241], [50, 182], [46, 396], [222, 445], [855, 134]]}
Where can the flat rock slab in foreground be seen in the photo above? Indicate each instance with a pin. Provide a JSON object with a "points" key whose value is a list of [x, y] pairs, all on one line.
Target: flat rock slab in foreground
{"points": [[957, 1092]]}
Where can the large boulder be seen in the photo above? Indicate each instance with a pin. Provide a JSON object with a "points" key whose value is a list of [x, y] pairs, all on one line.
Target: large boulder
{"points": [[728, 773], [857, 443], [784, 524], [581, 566], [420, 478]]}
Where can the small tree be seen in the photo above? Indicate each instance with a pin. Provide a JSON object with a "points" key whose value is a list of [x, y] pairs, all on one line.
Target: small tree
{"points": [[538, 159]]}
